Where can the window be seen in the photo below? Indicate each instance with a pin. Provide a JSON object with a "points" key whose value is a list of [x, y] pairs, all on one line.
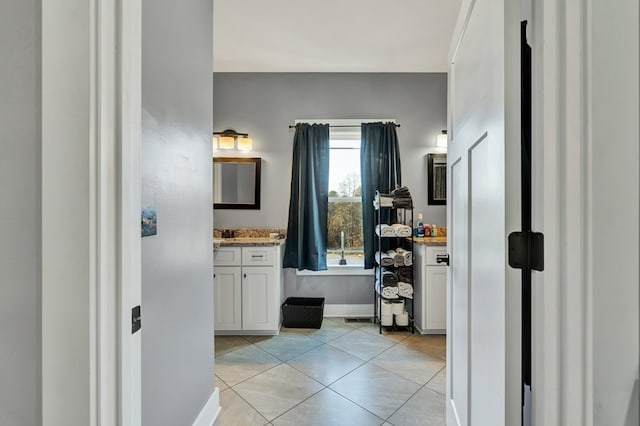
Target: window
{"points": [[345, 202]]}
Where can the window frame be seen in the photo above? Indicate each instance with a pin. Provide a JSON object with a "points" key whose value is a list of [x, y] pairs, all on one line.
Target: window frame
{"points": [[334, 268]]}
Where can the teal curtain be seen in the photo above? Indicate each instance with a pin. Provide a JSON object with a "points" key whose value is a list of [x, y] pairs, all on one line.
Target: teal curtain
{"points": [[306, 246], [380, 170]]}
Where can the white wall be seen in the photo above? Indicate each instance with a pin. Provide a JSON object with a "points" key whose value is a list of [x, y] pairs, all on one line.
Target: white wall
{"points": [[67, 217], [177, 275], [20, 208], [615, 222]]}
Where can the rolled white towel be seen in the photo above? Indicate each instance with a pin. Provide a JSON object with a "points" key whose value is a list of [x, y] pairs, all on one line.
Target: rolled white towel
{"points": [[390, 292], [397, 258], [405, 290], [387, 292], [407, 256], [401, 230], [384, 259], [386, 201], [385, 230]]}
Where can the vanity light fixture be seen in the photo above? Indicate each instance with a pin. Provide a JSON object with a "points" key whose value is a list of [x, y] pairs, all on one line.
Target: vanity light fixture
{"points": [[230, 139], [245, 144], [441, 140]]}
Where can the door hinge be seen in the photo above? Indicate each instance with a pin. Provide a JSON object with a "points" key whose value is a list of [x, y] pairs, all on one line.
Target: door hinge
{"points": [[526, 250], [136, 319]]}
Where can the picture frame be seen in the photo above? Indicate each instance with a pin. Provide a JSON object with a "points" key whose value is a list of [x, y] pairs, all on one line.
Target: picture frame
{"points": [[437, 179]]}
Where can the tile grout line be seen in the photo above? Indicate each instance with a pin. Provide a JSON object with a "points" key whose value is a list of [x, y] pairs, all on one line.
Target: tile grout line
{"points": [[281, 363], [257, 374], [405, 402], [349, 372], [299, 403], [434, 376], [347, 328], [248, 403]]}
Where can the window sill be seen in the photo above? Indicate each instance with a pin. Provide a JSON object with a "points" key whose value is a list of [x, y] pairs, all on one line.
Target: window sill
{"points": [[335, 269]]}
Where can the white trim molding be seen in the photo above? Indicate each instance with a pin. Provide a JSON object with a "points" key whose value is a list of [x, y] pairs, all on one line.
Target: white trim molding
{"points": [[559, 370], [334, 269], [348, 310], [130, 244], [90, 211], [210, 411], [585, 177]]}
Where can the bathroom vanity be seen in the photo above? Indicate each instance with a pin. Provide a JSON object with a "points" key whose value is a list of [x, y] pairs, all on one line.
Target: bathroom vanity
{"points": [[430, 293], [248, 285]]}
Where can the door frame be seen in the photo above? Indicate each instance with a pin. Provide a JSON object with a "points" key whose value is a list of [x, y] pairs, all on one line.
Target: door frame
{"points": [[91, 250], [560, 314], [564, 208]]}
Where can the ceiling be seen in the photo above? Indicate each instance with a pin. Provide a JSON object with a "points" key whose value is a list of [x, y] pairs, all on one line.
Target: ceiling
{"points": [[332, 35]]}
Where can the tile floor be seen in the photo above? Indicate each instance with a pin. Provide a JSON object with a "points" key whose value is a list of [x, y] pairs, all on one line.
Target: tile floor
{"points": [[342, 374]]}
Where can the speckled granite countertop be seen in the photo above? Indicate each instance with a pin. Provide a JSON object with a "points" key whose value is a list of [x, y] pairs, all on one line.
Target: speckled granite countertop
{"points": [[237, 237], [247, 241], [431, 241]]}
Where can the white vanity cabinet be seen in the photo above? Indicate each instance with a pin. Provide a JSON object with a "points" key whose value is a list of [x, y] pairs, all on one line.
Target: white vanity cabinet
{"points": [[247, 285], [430, 292]]}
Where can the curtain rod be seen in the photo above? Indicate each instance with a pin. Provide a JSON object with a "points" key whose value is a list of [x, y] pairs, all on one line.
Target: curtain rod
{"points": [[293, 126]]}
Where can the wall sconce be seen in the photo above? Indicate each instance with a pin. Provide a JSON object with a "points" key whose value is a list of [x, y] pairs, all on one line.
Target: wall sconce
{"points": [[230, 139], [441, 140]]}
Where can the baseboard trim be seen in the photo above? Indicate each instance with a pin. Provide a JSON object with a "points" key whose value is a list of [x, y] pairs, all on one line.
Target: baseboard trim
{"points": [[247, 332], [348, 311], [430, 331], [210, 411]]}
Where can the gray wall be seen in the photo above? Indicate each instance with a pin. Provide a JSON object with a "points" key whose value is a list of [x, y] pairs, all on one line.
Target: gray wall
{"points": [[20, 217], [177, 278], [264, 104]]}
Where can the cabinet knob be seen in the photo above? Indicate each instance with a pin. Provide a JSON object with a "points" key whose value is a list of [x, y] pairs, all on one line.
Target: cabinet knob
{"points": [[443, 258], [245, 275]]}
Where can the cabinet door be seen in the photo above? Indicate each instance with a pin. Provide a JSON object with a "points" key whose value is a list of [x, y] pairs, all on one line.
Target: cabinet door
{"points": [[227, 293], [436, 280], [259, 307]]}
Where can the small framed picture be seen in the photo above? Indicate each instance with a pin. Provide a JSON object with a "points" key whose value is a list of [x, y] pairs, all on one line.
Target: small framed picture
{"points": [[149, 221], [437, 179]]}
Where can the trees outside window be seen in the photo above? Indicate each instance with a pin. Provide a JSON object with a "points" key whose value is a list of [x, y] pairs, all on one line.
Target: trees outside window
{"points": [[345, 202]]}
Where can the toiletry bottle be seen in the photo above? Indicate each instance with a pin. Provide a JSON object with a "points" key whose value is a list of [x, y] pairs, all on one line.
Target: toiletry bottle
{"points": [[427, 230], [434, 232], [420, 226]]}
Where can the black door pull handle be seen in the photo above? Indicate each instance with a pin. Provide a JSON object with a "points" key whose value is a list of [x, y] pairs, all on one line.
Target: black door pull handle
{"points": [[443, 258]]}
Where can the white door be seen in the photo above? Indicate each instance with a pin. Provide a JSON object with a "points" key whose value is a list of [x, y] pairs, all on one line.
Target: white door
{"points": [[258, 298], [227, 294], [483, 346]]}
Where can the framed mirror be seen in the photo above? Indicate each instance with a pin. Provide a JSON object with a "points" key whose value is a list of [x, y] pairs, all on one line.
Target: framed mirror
{"points": [[437, 179], [236, 183]]}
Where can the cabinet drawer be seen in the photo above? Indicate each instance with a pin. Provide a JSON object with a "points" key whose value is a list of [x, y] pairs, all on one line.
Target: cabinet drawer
{"points": [[227, 256], [433, 252], [257, 256]]}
